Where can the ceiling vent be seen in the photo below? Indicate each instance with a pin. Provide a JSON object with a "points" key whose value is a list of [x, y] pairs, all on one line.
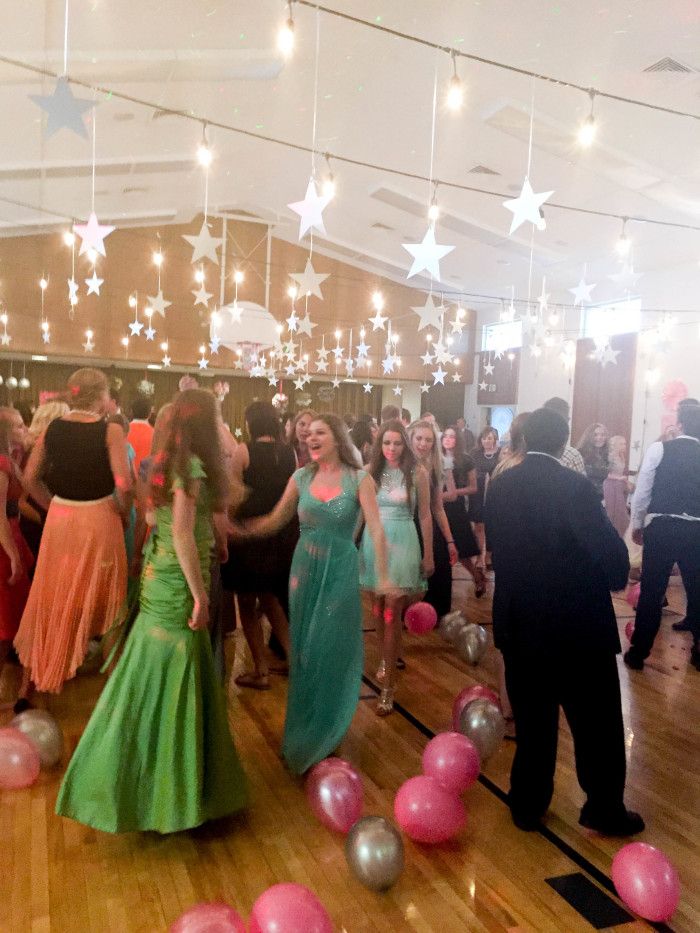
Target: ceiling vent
{"points": [[135, 189], [666, 65], [380, 226], [482, 170]]}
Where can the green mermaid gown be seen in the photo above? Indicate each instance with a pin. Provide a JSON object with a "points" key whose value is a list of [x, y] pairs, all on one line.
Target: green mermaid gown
{"points": [[157, 753], [325, 624]]}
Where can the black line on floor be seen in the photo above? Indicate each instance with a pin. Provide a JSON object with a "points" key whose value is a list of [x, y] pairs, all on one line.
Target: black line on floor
{"points": [[580, 860]]}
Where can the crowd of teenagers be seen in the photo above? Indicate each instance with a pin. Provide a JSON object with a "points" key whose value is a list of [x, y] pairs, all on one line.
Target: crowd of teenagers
{"points": [[136, 537]]}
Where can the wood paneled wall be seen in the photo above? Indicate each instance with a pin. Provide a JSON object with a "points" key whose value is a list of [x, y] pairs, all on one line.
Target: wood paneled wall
{"points": [[604, 394]]}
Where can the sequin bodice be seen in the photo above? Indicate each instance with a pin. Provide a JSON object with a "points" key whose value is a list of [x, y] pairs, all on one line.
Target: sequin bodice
{"points": [[392, 496], [338, 516]]}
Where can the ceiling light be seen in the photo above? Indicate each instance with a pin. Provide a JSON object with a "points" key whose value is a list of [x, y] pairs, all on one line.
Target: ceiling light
{"points": [[623, 245], [204, 153], [285, 36], [587, 130], [455, 90]]}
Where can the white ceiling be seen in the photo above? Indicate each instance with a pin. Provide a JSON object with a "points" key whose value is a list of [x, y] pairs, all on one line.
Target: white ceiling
{"points": [[375, 104]]}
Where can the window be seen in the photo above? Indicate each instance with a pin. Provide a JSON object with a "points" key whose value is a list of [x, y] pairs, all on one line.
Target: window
{"points": [[603, 321], [507, 335]]}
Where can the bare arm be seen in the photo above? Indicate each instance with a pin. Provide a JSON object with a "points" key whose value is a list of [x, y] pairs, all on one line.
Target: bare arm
{"points": [[184, 512], [471, 486], [426, 520], [7, 542], [368, 502], [263, 526], [27, 511], [438, 511], [119, 463], [32, 473]]}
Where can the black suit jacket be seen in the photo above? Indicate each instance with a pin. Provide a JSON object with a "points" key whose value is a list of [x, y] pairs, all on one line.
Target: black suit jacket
{"points": [[556, 557]]}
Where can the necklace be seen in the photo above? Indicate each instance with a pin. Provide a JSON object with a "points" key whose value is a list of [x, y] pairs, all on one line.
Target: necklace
{"points": [[490, 456]]}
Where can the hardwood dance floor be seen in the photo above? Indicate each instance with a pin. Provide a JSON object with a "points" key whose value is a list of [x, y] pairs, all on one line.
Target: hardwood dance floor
{"points": [[60, 877]]}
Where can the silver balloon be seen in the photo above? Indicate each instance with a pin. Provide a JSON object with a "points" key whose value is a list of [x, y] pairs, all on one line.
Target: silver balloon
{"points": [[471, 642], [44, 732], [92, 661], [482, 722], [451, 624], [374, 852]]}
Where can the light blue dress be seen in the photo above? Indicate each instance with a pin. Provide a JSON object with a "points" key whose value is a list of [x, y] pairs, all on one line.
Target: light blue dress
{"points": [[396, 511]]}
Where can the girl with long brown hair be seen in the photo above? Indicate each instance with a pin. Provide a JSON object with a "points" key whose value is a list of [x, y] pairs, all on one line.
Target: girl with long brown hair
{"points": [[162, 713]]}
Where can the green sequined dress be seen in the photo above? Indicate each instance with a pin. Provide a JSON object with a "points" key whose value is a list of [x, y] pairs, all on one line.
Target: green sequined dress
{"points": [[157, 753], [325, 624]]}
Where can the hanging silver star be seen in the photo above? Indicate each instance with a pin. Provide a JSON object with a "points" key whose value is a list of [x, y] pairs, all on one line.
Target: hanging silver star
{"points": [[456, 377], [321, 366], [64, 110], [92, 235], [89, 345], [322, 353], [378, 321], [488, 368], [214, 344], [388, 364], [483, 386], [336, 383], [427, 254], [427, 358], [582, 293], [362, 349], [527, 207], [310, 210], [203, 362], [166, 361], [136, 327], [397, 390], [299, 384], [149, 333]]}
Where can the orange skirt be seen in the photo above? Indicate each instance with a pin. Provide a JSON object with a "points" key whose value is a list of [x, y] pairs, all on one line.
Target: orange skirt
{"points": [[78, 588]]}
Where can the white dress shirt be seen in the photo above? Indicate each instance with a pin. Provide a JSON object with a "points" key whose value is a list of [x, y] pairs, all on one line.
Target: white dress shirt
{"points": [[645, 484]]}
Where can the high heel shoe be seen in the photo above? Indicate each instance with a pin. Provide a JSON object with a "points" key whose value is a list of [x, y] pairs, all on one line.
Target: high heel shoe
{"points": [[385, 703], [381, 672]]}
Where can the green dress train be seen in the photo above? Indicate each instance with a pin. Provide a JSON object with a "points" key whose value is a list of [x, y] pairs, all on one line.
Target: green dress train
{"points": [[325, 624], [157, 753]]}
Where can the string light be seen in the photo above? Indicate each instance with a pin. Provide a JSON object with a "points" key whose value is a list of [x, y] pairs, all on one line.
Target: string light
{"points": [[623, 245], [285, 36], [89, 334], [158, 258], [69, 238], [588, 129], [238, 276], [377, 301], [125, 341], [293, 291], [45, 326], [164, 346], [434, 209], [92, 255], [199, 276], [204, 153], [43, 284], [132, 301], [338, 334], [455, 90]]}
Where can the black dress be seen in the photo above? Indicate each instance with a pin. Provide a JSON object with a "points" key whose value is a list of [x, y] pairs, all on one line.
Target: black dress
{"points": [[484, 467], [262, 565], [458, 515], [439, 592]]}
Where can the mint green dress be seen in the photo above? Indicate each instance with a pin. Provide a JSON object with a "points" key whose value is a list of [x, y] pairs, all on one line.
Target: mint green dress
{"points": [[396, 510], [325, 624], [157, 753]]}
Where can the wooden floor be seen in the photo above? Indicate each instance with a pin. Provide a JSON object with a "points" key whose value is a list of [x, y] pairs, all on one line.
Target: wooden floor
{"points": [[60, 877]]}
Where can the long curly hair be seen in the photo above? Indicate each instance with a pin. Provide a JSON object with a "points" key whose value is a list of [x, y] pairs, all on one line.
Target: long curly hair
{"points": [[588, 449], [341, 436], [407, 463], [191, 428], [433, 462]]}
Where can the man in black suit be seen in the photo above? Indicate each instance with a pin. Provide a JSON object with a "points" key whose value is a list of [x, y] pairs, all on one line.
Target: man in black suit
{"points": [[556, 558]]}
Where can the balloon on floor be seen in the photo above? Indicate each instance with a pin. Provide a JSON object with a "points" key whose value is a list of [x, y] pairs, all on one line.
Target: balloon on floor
{"points": [[451, 624], [41, 728], [335, 794], [646, 881], [471, 641], [289, 908], [420, 618], [213, 917], [453, 760], [475, 692], [19, 760], [632, 595], [374, 852], [427, 812], [629, 630], [483, 723]]}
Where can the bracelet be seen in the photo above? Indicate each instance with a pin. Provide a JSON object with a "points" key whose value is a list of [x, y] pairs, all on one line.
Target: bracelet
{"points": [[450, 542]]}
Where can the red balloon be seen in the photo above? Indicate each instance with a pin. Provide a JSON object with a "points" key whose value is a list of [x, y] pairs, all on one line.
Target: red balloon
{"points": [[427, 812], [289, 908], [646, 881], [629, 629], [335, 794], [476, 692], [19, 759], [453, 760], [632, 594], [420, 618], [213, 917]]}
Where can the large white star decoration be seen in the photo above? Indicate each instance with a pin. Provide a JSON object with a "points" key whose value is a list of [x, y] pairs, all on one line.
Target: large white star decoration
{"points": [[136, 327], [527, 207], [483, 386], [149, 333], [93, 284], [424, 388], [378, 322], [429, 314], [214, 344], [203, 362], [306, 325], [201, 296], [336, 383], [309, 281], [427, 254], [427, 358], [310, 210], [457, 326], [582, 292], [397, 390], [72, 289], [362, 349], [93, 234], [606, 354], [439, 376], [204, 245], [321, 366], [293, 322], [367, 387], [456, 377], [627, 279], [488, 368], [64, 110], [159, 303]]}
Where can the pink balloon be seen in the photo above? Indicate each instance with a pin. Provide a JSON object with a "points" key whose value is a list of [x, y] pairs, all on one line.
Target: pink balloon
{"points": [[629, 629], [427, 812], [332, 764], [453, 760], [19, 759], [646, 881], [289, 908], [632, 595], [420, 618], [213, 917], [475, 692], [335, 795]]}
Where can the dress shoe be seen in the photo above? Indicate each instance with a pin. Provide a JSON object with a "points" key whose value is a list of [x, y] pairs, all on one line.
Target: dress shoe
{"points": [[633, 660], [682, 626], [626, 823], [526, 822]]}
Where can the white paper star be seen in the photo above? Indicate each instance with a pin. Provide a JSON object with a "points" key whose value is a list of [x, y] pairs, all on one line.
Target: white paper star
{"points": [[335, 383], [456, 377], [166, 361], [204, 245], [582, 292], [64, 110], [46, 336], [429, 314], [362, 349], [93, 284], [424, 388], [306, 325], [457, 326], [299, 384], [203, 362], [442, 354], [527, 207], [93, 234], [290, 369], [272, 380], [309, 281], [388, 364], [149, 333], [398, 390], [214, 344], [136, 327], [5, 339], [201, 296], [427, 358], [439, 376], [293, 322], [289, 349], [72, 289], [488, 368], [322, 353], [310, 210], [427, 254], [483, 386], [235, 312], [378, 321], [88, 346], [367, 387], [159, 303], [627, 279], [321, 366], [338, 352]]}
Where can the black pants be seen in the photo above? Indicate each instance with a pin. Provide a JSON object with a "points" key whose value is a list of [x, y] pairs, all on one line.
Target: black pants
{"points": [[667, 541], [586, 685]]}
